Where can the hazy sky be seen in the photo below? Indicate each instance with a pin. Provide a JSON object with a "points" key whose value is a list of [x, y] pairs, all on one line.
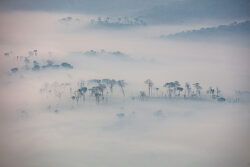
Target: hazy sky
{"points": [[29, 24], [155, 11]]}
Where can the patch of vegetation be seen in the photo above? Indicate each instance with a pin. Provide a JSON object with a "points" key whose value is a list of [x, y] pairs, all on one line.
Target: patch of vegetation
{"points": [[119, 22]]}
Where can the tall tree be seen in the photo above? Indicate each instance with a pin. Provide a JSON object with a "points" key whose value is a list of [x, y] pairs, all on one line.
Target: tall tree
{"points": [[122, 84], [170, 87], [197, 88], [82, 92], [101, 88], [150, 85], [187, 89], [218, 92], [109, 83], [157, 91], [176, 85]]}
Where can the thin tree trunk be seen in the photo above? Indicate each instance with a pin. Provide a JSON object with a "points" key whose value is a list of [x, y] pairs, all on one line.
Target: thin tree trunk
{"points": [[123, 91], [148, 90]]}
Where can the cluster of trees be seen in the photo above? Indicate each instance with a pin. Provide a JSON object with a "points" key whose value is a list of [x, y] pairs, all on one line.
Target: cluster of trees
{"points": [[175, 89], [69, 19], [103, 54], [118, 22], [30, 63], [102, 51], [36, 66], [237, 29], [102, 89], [98, 88], [50, 65]]}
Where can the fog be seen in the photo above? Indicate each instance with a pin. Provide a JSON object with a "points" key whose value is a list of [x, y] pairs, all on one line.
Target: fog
{"points": [[204, 61], [38, 130]]}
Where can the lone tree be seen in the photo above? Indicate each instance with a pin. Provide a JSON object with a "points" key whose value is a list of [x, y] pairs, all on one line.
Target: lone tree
{"points": [[101, 88], [122, 84], [210, 92], [176, 85], [82, 92], [218, 91], [179, 89], [170, 87], [157, 91], [150, 85], [187, 89], [96, 91], [197, 88], [142, 95]]}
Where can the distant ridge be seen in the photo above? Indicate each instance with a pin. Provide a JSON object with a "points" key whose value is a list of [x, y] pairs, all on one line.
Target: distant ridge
{"points": [[234, 29]]}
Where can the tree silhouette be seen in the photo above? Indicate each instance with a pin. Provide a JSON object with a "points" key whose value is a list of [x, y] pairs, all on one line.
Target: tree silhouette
{"points": [[187, 89], [82, 92], [109, 83], [218, 92], [170, 87], [96, 91], [176, 85], [101, 88], [150, 85], [179, 89], [157, 91], [210, 92], [142, 95], [197, 88], [122, 84]]}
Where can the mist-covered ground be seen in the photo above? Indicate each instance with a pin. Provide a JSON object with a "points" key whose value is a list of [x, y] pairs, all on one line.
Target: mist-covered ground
{"points": [[39, 128], [150, 133]]}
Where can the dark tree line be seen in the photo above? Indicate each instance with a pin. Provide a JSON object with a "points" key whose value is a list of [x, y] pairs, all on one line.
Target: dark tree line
{"points": [[175, 89]]}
